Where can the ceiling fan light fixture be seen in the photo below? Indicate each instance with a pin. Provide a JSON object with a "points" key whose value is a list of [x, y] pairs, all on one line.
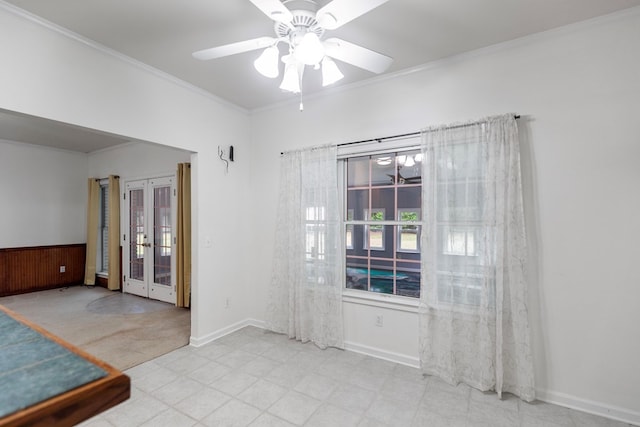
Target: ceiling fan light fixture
{"points": [[267, 62], [302, 29], [330, 72], [291, 79], [383, 161], [310, 50]]}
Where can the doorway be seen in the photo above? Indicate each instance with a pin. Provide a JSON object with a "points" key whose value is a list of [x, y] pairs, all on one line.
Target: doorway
{"points": [[149, 238]]}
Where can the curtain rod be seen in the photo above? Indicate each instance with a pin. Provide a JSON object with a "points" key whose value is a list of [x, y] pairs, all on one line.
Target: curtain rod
{"points": [[404, 135], [408, 134], [100, 179]]}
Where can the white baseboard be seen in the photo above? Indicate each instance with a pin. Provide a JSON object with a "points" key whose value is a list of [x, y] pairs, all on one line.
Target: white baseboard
{"points": [[206, 339], [589, 406], [350, 346], [402, 359], [257, 323]]}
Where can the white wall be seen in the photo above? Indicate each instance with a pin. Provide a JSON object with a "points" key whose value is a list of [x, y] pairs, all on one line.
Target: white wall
{"points": [[578, 90], [47, 74], [43, 196], [136, 160]]}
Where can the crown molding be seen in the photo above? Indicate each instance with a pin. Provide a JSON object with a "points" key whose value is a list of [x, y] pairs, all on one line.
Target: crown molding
{"points": [[118, 55]]}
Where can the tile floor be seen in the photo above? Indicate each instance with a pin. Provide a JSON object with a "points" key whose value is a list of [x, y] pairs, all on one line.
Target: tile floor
{"points": [[256, 378]]}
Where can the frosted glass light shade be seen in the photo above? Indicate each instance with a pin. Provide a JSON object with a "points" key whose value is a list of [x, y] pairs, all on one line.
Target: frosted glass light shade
{"points": [[330, 72], [291, 79], [267, 62], [310, 50], [383, 161]]}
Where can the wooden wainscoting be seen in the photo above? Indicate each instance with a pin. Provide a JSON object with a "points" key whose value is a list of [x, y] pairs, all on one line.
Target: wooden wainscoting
{"points": [[38, 268]]}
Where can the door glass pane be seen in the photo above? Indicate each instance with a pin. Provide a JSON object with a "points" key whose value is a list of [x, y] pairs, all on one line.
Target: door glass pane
{"points": [[162, 234], [104, 227], [136, 233]]}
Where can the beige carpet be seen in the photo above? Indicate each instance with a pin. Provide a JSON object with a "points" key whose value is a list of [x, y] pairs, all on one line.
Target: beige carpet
{"points": [[121, 329]]}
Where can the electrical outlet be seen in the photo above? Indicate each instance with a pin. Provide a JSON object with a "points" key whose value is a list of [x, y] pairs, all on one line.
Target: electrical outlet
{"points": [[226, 303], [379, 320], [63, 268]]}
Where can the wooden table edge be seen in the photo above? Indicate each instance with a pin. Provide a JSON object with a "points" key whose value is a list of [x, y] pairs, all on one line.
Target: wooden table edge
{"points": [[76, 405]]}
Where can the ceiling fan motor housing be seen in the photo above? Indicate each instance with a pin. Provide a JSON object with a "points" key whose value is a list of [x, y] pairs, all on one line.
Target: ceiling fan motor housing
{"points": [[303, 22]]}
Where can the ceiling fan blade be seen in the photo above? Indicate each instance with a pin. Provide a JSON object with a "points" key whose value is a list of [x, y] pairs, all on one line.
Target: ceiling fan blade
{"points": [[357, 55], [274, 9], [234, 48], [339, 12]]}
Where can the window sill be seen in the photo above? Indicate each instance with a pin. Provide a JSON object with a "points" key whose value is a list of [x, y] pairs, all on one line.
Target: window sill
{"points": [[103, 275], [372, 299]]}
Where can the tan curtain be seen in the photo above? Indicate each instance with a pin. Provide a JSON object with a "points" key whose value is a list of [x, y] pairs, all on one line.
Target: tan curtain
{"points": [[93, 213], [114, 233], [183, 246]]}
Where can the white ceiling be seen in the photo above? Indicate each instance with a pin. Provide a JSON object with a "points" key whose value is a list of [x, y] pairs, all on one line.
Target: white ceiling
{"points": [[164, 33], [35, 130]]}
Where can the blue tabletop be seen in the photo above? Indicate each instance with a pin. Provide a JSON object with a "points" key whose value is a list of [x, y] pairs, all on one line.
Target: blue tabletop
{"points": [[34, 368]]}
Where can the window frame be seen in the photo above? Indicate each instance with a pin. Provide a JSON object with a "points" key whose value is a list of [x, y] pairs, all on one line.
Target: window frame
{"points": [[417, 224]]}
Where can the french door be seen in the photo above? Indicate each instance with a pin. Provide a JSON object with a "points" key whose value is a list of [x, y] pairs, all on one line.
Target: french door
{"points": [[149, 243]]}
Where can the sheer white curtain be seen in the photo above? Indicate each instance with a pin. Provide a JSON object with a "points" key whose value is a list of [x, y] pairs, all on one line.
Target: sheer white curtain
{"points": [[473, 306], [305, 296]]}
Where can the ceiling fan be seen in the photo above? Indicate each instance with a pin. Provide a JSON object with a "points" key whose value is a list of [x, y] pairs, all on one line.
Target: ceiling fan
{"points": [[302, 29]]}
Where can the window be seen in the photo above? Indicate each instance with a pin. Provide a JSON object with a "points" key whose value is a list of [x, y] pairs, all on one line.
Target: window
{"points": [[374, 234], [408, 237], [383, 195], [315, 244], [103, 235], [315, 236], [465, 268], [459, 241]]}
